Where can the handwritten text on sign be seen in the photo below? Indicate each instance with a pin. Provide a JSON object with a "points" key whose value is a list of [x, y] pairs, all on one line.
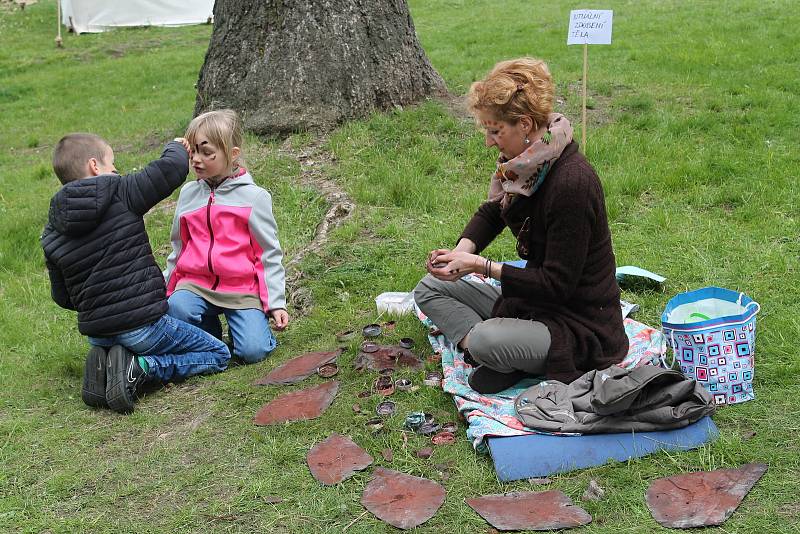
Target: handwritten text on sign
{"points": [[590, 26]]}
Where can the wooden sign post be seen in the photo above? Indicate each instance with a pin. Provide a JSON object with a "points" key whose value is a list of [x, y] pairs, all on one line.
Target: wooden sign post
{"points": [[588, 26]]}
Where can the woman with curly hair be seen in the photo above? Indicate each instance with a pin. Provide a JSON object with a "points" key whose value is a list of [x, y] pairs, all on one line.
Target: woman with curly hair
{"points": [[559, 315]]}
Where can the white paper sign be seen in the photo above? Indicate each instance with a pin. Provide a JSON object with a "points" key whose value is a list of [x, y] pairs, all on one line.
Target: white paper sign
{"points": [[590, 26]]}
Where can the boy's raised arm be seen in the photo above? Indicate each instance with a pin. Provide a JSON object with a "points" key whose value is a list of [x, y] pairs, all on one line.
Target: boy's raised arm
{"points": [[158, 179]]}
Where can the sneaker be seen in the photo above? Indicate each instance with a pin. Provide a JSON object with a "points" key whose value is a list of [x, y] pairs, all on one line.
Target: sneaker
{"points": [[123, 377], [93, 391], [487, 381]]}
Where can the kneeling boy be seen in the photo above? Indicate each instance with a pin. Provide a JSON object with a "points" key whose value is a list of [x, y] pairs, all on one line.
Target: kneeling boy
{"points": [[100, 263]]}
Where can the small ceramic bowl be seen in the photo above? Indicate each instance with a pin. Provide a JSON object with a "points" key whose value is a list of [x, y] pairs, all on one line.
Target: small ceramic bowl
{"points": [[328, 370], [433, 379], [369, 347], [406, 343], [345, 336], [414, 420], [384, 385], [450, 427], [385, 408], [372, 330], [403, 384], [427, 429], [375, 424]]}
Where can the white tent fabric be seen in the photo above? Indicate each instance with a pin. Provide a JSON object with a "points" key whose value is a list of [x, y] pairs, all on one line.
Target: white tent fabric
{"points": [[100, 15]]}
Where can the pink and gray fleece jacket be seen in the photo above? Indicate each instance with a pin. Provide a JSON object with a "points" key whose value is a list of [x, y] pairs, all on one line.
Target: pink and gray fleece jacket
{"points": [[225, 245]]}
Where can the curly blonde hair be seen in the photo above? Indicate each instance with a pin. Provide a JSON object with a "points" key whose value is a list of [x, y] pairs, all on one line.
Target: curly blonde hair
{"points": [[514, 89]]}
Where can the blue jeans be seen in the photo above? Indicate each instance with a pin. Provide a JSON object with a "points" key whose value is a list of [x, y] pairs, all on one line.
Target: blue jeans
{"points": [[173, 350], [249, 328]]}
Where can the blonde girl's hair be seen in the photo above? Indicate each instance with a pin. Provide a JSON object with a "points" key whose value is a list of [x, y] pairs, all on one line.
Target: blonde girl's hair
{"points": [[223, 128], [514, 89]]}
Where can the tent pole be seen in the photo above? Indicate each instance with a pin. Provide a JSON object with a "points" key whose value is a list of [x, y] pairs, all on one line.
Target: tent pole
{"points": [[59, 41]]}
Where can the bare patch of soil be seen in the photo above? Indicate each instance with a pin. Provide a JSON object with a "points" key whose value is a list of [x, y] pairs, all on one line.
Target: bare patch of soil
{"points": [[184, 425], [791, 509], [457, 106], [570, 104]]}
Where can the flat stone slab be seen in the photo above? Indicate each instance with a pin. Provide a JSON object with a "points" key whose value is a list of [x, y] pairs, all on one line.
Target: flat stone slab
{"points": [[336, 459], [307, 403], [530, 510], [403, 501], [701, 499], [387, 357], [298, 368]]}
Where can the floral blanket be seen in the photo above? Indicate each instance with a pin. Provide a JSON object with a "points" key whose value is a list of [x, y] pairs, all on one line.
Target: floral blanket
{"points": [[494, 415]]}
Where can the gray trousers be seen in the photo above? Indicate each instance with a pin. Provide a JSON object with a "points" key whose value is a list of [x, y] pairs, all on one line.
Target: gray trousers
{"points": [[503, 344]]}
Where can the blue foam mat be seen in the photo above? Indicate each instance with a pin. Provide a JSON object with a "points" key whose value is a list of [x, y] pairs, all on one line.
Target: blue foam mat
{"points": [[539, 455]]}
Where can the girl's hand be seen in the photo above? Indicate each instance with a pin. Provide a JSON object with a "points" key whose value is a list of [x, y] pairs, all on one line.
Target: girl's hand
{"points": [[280, 317], [450, 265], [185, 144]]}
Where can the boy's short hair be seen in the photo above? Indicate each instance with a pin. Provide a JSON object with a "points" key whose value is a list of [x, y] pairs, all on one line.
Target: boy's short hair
{"points": [[73, 151]]}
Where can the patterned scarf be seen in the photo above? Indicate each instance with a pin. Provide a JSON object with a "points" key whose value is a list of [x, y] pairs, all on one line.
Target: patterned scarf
{"points": [[525, 173]]}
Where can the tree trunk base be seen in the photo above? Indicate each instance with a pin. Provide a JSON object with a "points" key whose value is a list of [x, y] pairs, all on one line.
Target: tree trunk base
{"points": [[289, 66]]}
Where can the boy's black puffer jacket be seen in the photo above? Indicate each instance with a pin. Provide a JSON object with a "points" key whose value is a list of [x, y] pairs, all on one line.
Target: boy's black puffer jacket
{"points": [[97, 251]]}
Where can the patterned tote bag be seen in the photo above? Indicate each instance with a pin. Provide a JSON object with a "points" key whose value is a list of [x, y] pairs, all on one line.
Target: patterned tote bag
{"points": [[712, 333]]}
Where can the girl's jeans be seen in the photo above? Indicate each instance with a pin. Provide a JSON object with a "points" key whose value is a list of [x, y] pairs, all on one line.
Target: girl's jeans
{"points": [[249, 328], [173, 349]]}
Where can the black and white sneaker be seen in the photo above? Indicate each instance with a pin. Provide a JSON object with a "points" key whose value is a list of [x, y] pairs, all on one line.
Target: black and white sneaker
{"points": [[93, 391], [123, 377]]}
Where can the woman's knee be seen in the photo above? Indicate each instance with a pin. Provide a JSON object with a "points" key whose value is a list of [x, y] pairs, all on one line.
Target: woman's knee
{"points": [[482, 340], [426, 289], [506, 345]]}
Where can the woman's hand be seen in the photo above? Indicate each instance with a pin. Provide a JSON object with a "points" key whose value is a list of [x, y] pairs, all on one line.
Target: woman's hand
{"points": [[450, 265], [280, 317]]}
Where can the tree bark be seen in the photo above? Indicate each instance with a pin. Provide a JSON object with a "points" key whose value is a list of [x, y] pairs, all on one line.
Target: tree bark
{"points": [[293, 65]]}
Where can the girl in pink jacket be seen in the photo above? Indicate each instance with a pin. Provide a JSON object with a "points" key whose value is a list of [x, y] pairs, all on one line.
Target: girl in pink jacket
{"points": [[226, 258]]}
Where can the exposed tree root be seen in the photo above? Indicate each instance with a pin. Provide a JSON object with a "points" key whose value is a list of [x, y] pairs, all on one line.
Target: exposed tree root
{"points": [[313, 158]]}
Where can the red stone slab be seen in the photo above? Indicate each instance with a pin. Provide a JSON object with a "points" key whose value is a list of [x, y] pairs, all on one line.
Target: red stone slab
{"points": [[530, 510], [304, 404], [298, 368], [701, 499], [387, 357], [403, 501], [336, 459]]}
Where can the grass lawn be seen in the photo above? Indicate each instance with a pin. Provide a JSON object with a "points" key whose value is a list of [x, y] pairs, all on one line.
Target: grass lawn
{"points": [[693, 129]]}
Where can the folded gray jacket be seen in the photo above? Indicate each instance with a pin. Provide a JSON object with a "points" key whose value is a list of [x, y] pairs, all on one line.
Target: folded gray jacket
{"points": [[612, 400]]}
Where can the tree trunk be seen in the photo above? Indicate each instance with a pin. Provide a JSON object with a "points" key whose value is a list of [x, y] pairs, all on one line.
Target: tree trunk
{"points": [[292, 65]]}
